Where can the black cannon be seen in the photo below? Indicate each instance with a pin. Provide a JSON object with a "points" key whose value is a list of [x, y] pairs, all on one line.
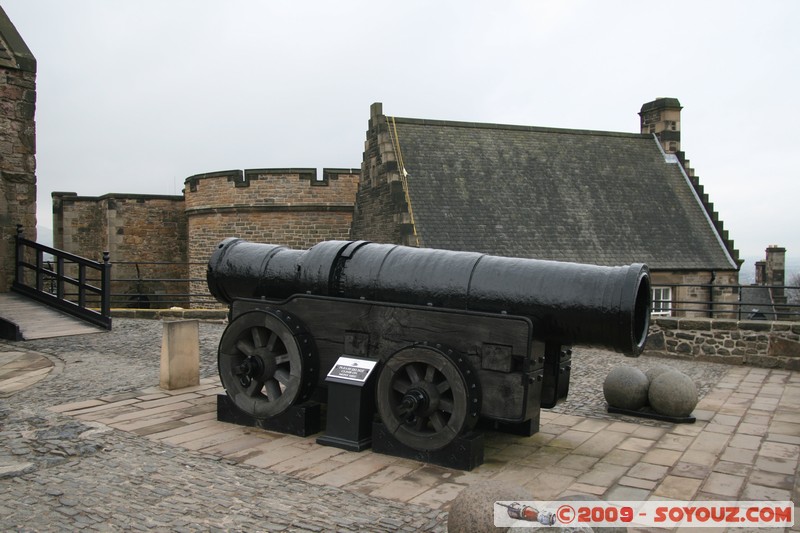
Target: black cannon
{"points": [[459, 336]]}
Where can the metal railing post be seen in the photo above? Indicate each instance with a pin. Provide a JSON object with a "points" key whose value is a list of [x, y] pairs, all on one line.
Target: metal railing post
{"points": [[82, 285], [60, 278], [105, 286], [19, 276], [39, 270]]}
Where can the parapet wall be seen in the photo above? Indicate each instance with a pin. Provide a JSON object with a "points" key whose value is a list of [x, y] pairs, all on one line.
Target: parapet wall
{"points": [[752, 342], [293, 207], [143, 229]]}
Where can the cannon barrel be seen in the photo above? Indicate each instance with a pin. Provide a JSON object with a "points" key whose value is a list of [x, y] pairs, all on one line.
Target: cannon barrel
{"points": [[569, 303]]}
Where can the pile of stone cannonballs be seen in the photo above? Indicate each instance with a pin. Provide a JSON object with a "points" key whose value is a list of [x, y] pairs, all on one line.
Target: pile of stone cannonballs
{"points": [[664, 389]]}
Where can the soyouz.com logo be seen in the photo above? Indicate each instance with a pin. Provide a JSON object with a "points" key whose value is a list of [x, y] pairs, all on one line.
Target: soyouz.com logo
{"points": [[644, 514]]}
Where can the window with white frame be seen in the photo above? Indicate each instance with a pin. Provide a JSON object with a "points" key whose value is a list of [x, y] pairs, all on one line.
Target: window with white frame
{"points": [[662, 301]]}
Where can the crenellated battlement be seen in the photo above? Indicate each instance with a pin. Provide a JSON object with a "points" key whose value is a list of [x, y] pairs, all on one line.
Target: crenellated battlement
{"points": [[265, 189]]}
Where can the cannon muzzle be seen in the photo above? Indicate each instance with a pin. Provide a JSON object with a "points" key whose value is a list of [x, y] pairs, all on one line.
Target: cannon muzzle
{"points": [[569, 303]]}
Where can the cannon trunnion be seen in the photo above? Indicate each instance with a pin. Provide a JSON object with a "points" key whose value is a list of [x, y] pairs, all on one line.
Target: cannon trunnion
{"points": [[459, 336]]}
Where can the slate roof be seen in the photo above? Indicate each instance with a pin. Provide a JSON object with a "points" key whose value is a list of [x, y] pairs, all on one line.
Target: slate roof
{"points": [[757, 303], [568, 195]]}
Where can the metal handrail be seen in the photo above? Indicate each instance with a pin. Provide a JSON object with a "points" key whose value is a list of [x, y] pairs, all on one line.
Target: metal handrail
{"points": [[86, 292]]}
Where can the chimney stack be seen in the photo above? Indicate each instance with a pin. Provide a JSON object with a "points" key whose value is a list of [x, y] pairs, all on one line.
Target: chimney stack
{"points": [[662, 116], [761, 272], [776, 265]]}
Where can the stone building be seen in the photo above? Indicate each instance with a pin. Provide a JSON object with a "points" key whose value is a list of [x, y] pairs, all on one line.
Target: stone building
{"points": [[170, 238], [17, 144], [594, 197]]}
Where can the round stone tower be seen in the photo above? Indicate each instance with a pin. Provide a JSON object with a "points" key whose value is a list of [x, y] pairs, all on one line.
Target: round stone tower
{"points": [[291, 206]]}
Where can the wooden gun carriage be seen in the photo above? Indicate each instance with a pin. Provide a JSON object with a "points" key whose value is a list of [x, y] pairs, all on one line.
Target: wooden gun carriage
{"points": [[458, 336]]}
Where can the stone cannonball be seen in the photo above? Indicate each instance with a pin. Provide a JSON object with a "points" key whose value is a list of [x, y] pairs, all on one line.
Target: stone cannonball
{"points": [[673, 393], [657, 370], [472, 511], [625, 387]]}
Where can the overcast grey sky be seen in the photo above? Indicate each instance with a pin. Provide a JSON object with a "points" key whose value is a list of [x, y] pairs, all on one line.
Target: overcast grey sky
{"points": [[135, 96]]}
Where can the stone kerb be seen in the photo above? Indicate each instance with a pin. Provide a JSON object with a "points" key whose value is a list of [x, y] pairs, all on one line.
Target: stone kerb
{"points": [[771, 344]]}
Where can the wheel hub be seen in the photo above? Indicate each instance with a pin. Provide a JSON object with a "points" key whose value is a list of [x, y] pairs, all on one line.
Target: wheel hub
{"points": [[414, 403], [251, 368]]}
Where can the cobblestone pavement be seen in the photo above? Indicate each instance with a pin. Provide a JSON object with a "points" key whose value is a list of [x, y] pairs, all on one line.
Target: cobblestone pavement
{"points": [[64, 473], [60, 474]]}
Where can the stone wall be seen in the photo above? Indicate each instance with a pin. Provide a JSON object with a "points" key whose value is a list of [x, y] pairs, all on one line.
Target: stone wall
{"points": [[141, 233], [290, 207], [17, 145], [751, 342]]}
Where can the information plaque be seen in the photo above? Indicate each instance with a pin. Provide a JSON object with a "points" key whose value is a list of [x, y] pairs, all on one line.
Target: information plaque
{"points": [[351, 369]]}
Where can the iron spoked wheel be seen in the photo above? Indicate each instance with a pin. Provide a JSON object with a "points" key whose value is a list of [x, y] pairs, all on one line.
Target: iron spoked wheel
{"points": [[427, 396], [266, 363]]}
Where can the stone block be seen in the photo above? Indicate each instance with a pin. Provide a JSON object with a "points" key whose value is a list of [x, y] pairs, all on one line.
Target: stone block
{"points": [[180, 354], [792, 364], [655, 342], [667, 323], [722, 324], [684, 348], [752, 358], [755, 325], [694, 324], [708, 350], [778, 346]]}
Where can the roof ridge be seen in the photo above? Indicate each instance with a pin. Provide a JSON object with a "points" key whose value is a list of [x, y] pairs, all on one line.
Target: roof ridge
{"points": [[515, 127]]}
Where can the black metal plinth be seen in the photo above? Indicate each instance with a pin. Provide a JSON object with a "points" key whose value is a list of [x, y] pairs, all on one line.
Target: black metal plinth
{"points": [[300, 420], [526, 428], [464, 453], [649, 413], [348, 422]]}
